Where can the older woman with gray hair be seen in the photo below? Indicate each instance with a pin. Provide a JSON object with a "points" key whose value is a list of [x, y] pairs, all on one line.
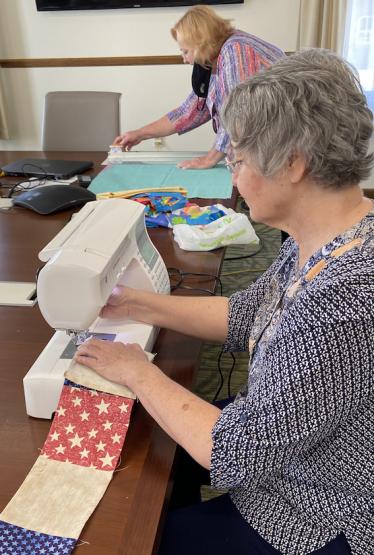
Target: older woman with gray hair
{"points": [[294, 449]]}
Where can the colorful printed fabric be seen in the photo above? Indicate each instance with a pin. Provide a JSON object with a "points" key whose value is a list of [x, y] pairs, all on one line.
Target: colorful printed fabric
{"points": [[160, 202], [68, 479], [156, 204], [191, 214], [169, 209], [197, 215], [241, 56]]}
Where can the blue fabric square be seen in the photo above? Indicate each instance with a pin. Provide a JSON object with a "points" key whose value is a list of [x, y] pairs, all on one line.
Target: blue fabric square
{"points": [[15, 540]]}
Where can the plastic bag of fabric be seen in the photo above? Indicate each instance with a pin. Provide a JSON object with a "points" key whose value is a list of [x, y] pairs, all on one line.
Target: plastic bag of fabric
{"points": [[231, 229]]}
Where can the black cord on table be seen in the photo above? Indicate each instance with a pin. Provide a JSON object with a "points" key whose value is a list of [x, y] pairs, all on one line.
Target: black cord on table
{"points": [[180, 276], [28, 178], [20, 184]]}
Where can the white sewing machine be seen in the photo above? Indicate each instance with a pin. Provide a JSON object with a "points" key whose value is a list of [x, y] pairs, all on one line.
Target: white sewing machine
{"points": [[104, 245]]}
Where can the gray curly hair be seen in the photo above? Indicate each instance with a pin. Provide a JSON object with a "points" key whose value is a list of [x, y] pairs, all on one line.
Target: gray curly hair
{"points": [[309, 103]]}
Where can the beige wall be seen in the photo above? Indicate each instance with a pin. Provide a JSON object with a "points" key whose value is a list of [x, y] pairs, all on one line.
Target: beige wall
{"points": [[147, 92]]}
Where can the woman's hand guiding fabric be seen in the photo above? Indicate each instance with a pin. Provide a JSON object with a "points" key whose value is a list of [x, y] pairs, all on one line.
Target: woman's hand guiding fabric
{"points": [[117, 362]]}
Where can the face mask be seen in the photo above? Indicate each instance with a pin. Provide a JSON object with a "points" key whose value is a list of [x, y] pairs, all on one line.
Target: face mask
{"points": [[200, 80]]}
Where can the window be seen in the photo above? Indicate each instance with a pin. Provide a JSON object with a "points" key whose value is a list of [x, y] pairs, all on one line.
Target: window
{"points": [[359, 43]]}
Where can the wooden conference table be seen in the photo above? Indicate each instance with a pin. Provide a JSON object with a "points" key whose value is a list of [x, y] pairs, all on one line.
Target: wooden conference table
{"points": [[129, 518]]}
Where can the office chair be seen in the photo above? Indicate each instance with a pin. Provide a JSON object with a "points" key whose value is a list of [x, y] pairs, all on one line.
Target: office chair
{"points": [[80, 120]]}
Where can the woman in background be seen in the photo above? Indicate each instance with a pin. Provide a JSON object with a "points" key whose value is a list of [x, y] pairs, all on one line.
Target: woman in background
{"points": [[294, 449], [223, 57]]}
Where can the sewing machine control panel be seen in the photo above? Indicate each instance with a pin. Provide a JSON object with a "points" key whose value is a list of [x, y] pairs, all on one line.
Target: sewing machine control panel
{"points": [[160, 277], [151, 260]]}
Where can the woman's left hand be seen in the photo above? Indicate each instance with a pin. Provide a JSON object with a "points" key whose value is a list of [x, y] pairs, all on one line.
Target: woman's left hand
{"points": [[115, 361], [203, 162], [186, 418]]}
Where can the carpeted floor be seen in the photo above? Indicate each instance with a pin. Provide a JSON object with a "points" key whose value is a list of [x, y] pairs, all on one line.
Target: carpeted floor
{"points": [[235, 275], [238, 272]]}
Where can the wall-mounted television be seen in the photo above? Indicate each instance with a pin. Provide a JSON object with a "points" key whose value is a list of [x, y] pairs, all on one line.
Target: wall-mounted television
{"points": [[55, 5]]}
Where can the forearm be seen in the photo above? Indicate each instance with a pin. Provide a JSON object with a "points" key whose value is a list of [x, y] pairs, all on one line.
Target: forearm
{"points": [[203, 317], [185, 417], [203, 162], [215, 156], [162, 127]]}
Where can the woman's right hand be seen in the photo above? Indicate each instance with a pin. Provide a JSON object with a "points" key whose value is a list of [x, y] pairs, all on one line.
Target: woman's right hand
{"points": [[129, 139], [205, 317], [117, 304]]}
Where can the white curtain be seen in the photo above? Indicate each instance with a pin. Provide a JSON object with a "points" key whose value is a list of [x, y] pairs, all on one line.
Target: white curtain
{"points": [[359, 43], [3, 125], [322, 24]]}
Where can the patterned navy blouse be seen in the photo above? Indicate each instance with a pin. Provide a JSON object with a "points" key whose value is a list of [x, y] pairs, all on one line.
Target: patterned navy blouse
{"points": [[296, 447]]}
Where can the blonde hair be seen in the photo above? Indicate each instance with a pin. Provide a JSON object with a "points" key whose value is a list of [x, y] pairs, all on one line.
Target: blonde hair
{"points": [[205, 31]]}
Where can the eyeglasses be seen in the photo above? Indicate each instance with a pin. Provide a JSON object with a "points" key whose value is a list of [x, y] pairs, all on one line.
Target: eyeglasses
{"points": [[233, 165]]}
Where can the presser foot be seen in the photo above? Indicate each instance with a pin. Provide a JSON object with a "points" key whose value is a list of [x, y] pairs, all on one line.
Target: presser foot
{"points": [[79, 337]]}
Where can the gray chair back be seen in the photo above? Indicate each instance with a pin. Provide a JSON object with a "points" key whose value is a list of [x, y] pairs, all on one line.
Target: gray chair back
{"points": [[80, 120]]}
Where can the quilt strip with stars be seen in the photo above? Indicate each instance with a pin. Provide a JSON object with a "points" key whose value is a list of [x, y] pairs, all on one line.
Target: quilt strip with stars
{"points": [[67, 481]]}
